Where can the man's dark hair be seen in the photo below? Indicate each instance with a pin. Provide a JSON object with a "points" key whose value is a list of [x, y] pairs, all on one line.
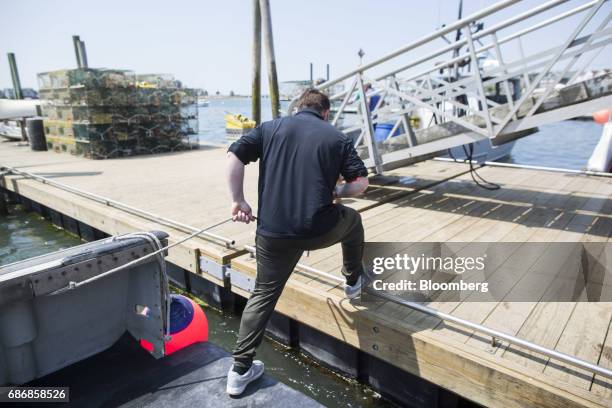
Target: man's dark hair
{"points": [[314, 99]]}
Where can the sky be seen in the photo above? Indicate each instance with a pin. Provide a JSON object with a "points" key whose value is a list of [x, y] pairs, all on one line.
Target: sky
{"points": [[207, 44]]}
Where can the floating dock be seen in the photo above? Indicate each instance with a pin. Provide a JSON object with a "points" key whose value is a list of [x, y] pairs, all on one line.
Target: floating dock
{"points": [[401, 352]]}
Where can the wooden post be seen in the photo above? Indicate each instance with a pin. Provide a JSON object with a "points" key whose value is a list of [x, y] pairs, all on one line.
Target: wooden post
{"points": [[15, 76], [311, 75], [3, 204], [256, 85], [83, 54], [266, 16], [77, 53], [24, 134], [4, 201]]}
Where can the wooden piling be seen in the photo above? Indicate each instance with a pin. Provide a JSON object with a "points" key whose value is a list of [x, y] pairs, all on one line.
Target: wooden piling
{"points": [[15, 76], [3, 203], [23, 127], [311, 75], [83, 54], [264, 5], [77, 54], [256, 84]]}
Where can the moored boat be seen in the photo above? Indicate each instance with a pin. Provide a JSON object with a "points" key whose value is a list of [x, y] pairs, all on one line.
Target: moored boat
{"points": [[237, 125]]}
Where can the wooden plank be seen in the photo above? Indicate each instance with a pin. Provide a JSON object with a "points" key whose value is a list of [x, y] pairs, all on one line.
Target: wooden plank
{"points": [[582, 337], [602, 386], [504, 278]]}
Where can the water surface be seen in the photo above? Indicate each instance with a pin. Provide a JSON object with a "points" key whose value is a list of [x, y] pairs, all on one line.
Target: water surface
{"points": [[26, 234]]}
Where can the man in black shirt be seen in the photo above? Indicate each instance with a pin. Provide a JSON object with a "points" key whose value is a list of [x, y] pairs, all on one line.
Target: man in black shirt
{"points": [[301, 159]]}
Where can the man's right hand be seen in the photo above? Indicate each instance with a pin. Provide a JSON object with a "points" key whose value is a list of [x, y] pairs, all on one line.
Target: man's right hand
{"points": [[241, 212], [351, 189]]}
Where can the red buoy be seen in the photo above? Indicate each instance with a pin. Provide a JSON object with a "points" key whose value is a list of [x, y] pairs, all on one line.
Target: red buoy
{"points": [[188, 325], [602, 117]]}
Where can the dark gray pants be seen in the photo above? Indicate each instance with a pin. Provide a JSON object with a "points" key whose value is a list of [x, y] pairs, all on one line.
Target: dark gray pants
{"points": [[276, 259]]}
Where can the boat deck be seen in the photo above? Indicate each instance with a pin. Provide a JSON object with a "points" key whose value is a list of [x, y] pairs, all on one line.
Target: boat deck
{"points": [[432, 201], [127, 376]]}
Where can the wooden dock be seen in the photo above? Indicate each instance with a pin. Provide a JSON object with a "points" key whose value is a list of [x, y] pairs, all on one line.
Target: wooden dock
{"points": [[431, 201]]}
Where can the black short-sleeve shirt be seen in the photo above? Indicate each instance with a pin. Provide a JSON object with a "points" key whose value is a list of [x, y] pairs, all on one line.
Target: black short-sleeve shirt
{"points": [[301, 158]]}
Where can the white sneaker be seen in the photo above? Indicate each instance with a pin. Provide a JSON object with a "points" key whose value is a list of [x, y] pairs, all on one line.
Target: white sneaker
{"points": [[236, 383], [352, 292]]}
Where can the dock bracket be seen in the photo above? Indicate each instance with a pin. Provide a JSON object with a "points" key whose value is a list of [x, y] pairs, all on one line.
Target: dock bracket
{"points": [[241, 280], [213, 268]]}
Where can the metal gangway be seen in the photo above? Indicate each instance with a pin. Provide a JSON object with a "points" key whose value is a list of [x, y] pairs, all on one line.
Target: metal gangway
{"points": [[482, 90]]}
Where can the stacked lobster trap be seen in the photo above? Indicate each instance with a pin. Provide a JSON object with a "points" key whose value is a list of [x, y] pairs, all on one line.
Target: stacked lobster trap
{"points": [[105, 113]]}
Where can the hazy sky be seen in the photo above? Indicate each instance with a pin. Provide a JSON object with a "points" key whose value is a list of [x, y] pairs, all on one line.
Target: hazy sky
{"points": [[207, 43]]}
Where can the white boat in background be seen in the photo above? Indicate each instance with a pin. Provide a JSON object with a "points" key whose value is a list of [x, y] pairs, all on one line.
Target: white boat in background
{"points": [[482, 151], [601, 159], [203, 102], [12, 116], [10, 129]]}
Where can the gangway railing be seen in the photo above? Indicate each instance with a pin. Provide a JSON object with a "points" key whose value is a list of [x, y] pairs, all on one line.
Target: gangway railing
{"points": [[483, 90]]}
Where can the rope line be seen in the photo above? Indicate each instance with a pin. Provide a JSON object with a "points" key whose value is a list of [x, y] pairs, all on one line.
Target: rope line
{"points": [[73, 285]]}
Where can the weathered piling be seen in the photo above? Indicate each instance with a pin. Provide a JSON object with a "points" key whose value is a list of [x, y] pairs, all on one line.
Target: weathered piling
{"points": [[15, 76], [3, 203], [311, 75], [83, 54], [256, 84], [269, 42], [77, 54]]}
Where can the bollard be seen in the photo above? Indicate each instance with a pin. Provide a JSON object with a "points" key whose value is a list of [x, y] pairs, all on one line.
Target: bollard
{"points": [[36, 134]]}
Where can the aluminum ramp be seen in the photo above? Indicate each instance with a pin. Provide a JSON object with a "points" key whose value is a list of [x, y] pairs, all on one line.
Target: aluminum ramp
{"points": [[484, 90]]}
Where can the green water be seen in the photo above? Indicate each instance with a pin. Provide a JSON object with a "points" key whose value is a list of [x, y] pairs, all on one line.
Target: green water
{"points": [[25, 234], [296, 370]]}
